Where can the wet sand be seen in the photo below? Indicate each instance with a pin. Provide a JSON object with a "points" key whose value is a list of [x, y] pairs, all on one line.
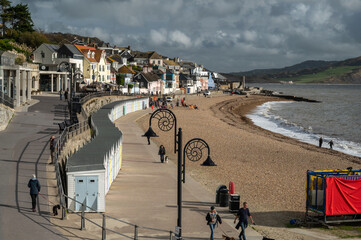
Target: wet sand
{"points": [[268, 169]]}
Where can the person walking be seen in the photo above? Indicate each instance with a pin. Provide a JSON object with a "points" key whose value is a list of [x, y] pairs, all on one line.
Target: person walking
{"points": [[242, 215], [66, 95], [61, 94], [331, 144], [52, 148], [161, 153], [34, 186], [320, 141], [212, 219]]}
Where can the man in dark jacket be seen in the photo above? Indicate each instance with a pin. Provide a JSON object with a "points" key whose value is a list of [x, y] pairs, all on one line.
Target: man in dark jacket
{"points": [[242, 215], [34, 186]]}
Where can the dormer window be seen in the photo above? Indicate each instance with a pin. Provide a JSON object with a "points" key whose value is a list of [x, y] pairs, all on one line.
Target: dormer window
{"points": [[88, 55], [93, 54]]}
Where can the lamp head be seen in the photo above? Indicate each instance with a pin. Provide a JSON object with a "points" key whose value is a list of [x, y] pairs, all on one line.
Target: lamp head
{"points": [[208, 162], [150, 133]]}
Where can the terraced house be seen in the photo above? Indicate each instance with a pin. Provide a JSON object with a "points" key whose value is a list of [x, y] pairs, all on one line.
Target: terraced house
{"points": [[96, 67]]}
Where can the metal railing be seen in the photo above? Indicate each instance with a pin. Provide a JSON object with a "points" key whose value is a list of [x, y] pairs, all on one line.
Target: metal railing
{"points": [[104, 218], [6, 100], [86, 97], [66, 134]]}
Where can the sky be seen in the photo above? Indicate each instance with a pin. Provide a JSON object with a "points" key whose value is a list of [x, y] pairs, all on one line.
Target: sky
{"points": [[222, 35]]}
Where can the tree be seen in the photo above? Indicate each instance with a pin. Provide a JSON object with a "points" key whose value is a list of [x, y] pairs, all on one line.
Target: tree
{"points": [[4, 6], [20, 18], [120, 80]]}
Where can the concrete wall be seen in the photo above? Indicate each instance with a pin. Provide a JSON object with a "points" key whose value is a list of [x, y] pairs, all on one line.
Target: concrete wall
{"points": [[6, 114]]}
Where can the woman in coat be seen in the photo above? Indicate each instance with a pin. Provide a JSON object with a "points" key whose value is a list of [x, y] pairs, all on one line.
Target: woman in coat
{"points": [[161, 153]]}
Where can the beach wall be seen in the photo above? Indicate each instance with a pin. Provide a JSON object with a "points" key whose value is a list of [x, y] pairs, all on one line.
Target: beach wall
{"points": [[6, 114]]}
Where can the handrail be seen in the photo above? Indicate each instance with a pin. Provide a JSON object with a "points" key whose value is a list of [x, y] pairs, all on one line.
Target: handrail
{"points": [[63, 197]]}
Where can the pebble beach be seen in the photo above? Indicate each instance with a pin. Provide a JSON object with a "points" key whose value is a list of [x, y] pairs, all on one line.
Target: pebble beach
{"points": [[268, 169]]}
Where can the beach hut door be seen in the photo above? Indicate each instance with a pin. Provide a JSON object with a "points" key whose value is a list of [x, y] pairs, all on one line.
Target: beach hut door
{"points": [[86, 189], [80, 191], [92, 193]]}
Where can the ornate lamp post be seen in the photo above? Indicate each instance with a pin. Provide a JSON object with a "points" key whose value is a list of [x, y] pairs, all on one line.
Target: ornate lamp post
{"points": [[193, 149], [75, 74]]}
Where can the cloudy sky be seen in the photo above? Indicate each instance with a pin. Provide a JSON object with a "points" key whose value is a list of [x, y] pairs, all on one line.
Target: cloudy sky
{"points": [[223, 35]]}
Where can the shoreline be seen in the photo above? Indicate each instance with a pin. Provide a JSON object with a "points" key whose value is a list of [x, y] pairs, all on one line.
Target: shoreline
{"points": [[268, 169], [243, 111]]}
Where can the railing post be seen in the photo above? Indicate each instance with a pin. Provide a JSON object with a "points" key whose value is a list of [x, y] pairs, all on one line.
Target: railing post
{"points": [[62, 203], [135, 232], [82, 223], [104, 232]]}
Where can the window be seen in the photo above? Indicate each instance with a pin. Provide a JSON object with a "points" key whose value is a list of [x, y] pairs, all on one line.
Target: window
{"points": [[159, 62], [153, 61], [103, 77], [108, 77]]}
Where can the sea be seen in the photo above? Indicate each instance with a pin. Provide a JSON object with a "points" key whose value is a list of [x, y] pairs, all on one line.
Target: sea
{"points": [[336, 117]]}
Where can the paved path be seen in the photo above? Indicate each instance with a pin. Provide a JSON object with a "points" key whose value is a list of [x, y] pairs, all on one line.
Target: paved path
{"points": [[24, 150], [144, 192]]}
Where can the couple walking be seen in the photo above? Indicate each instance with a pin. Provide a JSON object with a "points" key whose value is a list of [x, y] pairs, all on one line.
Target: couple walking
{"points": [[242, 215]]}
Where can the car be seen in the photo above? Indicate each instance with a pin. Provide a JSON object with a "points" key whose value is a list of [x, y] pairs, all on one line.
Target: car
{"points": [[169, 99], [206, 93]]}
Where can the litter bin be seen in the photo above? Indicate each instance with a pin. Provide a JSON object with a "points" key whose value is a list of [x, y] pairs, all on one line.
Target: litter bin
{"points": [[218, 192], [234, 201], [223, 197]]}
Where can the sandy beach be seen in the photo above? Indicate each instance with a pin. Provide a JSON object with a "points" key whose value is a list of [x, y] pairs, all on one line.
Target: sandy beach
{"points": [[268, 169]]}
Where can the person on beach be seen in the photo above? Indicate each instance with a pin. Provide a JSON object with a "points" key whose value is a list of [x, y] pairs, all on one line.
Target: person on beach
{"points": [[34, 186], [320, 141], [161, 153], [212, 219], [242, 215], [52, 148], [331, 144]]}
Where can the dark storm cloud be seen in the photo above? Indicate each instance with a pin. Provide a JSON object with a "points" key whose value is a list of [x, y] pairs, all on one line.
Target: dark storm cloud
{"points": [[223, 35]]}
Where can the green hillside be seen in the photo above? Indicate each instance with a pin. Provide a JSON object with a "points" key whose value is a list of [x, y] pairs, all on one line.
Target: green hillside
{"points": [[322, 76]]}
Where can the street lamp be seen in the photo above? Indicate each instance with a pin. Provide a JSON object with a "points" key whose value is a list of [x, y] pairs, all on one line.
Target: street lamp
{"points": [[193, 150], [75, 74], [166, 121]]}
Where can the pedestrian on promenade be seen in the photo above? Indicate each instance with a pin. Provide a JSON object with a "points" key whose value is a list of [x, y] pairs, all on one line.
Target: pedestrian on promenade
{"points": [[331, 144], [66, 95], [212, 219], [161, 153], [242, 215], [34, 186], [320, 141], [52, 148], [61, 94]]}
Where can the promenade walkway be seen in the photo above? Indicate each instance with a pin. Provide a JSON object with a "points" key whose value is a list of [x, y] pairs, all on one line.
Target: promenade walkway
{"points": [[145, 191], [24, 150]]}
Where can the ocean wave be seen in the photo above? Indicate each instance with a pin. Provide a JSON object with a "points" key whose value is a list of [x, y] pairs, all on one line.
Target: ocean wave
{"points": [[264, 118]]}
